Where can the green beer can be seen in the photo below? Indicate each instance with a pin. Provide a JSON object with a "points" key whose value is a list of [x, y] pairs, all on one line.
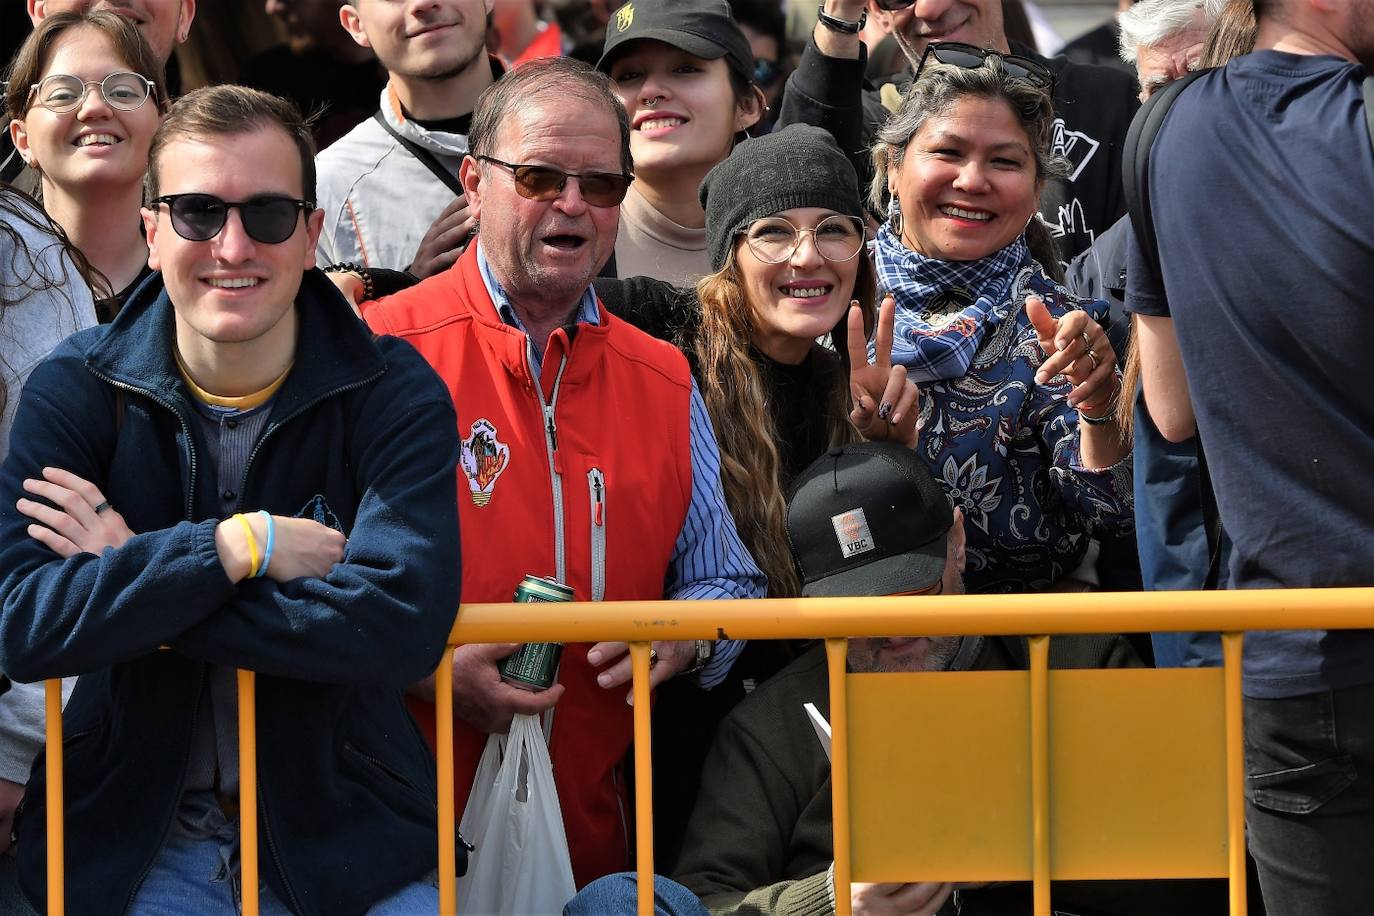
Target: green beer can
{"points": [[534, 665]]}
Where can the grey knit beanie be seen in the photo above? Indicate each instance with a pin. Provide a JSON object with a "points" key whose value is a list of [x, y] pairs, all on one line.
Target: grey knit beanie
{"points": [[799, 166]]}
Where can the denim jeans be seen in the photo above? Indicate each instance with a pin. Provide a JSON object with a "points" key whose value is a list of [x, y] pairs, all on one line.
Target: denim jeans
{"points": [[1309, 764], [200, 877], [617, 895]]}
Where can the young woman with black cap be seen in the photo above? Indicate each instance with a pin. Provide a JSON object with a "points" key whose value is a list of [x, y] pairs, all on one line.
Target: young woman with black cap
{"points": [[684, 71]]}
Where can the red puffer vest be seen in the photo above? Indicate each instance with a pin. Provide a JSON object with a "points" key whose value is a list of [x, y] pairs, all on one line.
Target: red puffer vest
{"points": [[616, 467]]}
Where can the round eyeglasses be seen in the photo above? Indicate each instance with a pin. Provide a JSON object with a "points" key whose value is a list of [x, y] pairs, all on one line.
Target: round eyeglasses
{"points": [[62, 92], [774, 239]]}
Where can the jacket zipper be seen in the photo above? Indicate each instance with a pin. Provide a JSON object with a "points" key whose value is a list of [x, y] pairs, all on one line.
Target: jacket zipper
{"points": [[185, 431], [276, 857], [551, 445], [181, 786], [243, 485], [342, 389], [596, 487]]}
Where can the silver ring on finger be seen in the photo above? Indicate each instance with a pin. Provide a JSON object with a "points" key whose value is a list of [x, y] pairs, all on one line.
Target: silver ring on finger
{"points": [[105, 504], [1087, 344], [1093, 356]]}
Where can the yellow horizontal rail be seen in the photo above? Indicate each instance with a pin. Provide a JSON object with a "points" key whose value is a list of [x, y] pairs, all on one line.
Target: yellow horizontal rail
{"points": [[936, 615], [834, 619]]}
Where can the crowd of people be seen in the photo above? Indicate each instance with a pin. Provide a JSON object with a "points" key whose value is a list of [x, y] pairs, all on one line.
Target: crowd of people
{"points": [[683, 299]]}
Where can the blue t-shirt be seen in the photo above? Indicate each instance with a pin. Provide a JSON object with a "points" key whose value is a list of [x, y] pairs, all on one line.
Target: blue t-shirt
{"points": [[1261, 184]]}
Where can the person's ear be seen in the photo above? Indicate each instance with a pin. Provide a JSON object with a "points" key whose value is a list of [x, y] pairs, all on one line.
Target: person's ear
{"points": [[749, 110], [19, 137], [188, 14], [880, 16], [37, 10], [150, 235], [352, 23], [470, 177], [957, 541], [314, 225]]}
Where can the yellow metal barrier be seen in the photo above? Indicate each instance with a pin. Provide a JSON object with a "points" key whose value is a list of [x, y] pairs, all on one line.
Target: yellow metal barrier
{"points": [[834, 620]]}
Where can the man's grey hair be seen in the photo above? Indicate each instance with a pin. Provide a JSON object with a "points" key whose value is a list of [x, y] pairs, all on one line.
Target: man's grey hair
{"points": [[1151, 22], [555, 79]]}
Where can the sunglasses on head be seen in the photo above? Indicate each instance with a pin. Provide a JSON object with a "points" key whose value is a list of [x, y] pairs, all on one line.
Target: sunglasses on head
{"points": [[267, 218], [972, 57], [542, 182]]}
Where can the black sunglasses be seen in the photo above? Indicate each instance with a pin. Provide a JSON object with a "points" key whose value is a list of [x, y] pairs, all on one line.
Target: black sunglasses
{"points": [[542, 182], [267, 218], [972, 57]]}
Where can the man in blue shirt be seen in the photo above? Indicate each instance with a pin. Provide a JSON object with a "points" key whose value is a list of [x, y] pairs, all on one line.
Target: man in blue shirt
{"points": [[1263, 303]]}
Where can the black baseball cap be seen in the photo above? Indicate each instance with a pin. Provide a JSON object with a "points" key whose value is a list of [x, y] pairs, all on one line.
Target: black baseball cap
{"points": [[703, 28], [868, 519]]}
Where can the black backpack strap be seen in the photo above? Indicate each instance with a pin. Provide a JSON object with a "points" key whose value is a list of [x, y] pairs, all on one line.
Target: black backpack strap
{"points": [[427, 158], [1211, 518], [1135, 162]]}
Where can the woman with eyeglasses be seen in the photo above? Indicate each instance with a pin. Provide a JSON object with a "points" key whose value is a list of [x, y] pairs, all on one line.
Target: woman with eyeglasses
{"points": [[684, 72], [785, 237], [84, 98], [1094, 105], [1017, 377]]}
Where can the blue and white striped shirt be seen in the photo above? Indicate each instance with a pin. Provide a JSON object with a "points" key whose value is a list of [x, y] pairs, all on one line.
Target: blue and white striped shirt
{"points": [[709, 559]]}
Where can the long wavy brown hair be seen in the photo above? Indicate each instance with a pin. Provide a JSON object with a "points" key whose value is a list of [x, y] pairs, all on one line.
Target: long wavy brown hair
{"points": [[738, 399]]}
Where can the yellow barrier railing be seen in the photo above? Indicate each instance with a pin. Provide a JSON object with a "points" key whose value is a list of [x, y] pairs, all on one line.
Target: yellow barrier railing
{"points": [[834, 620]]}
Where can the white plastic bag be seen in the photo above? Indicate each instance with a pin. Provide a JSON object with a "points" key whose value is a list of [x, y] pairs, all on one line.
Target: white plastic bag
{"points": [[520, 866]]}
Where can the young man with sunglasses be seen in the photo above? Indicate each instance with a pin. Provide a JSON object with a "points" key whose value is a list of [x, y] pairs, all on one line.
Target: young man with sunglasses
{"points": [[233, 474], [1093, 105], [588, 456]]}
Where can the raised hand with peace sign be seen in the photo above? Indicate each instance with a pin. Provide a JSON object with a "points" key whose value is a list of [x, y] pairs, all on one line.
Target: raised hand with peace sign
{"points": [[885, 400]]}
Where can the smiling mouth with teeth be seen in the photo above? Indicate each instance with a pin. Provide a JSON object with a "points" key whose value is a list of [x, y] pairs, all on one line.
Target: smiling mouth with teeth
{"points": [[806, 292], [234, 283], [659, 123], [97, 140], [966, 214]]}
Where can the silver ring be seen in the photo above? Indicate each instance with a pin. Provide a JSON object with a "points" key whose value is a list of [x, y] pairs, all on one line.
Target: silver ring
{"points": [[102, 507], [1087, 344], [653, 102], [653, 657], [1093, 356]]}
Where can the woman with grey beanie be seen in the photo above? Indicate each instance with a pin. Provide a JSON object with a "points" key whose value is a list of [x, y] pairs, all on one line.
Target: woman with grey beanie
{"points": [[785, 235]]}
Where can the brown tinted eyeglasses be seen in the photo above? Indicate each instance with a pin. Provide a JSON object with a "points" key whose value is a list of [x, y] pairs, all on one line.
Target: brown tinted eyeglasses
{"points": [[543, 182]]}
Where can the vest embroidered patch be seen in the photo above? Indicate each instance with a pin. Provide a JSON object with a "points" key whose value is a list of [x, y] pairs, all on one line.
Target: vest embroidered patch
{"points": [[484, 460]]}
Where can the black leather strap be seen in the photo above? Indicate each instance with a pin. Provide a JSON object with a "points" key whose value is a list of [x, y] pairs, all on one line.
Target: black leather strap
{"points": [[425, 156]]}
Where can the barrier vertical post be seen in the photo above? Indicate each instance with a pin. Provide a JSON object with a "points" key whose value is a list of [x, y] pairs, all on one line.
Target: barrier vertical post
{"points": [[1040, 772], [57, 896], [836, 652], [443, 755], [248, 790], [1231, 647], [644, 777]]}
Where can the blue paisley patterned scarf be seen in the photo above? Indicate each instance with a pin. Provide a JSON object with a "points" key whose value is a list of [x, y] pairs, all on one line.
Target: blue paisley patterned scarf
{"points": [[944, 308]]}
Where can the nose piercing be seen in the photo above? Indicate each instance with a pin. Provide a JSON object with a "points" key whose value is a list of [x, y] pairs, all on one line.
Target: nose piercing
{"points": [[653, 102]]}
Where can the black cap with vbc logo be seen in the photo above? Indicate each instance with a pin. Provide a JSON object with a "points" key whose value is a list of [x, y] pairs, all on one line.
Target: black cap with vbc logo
{"points": [[703, 28], [868, 519]]}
